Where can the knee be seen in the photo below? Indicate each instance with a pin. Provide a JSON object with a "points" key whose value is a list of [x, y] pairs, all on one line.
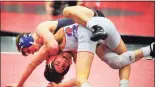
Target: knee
{"points": [[116, 64], [123, 60]]}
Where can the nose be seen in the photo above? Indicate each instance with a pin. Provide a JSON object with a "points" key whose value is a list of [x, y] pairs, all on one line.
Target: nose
{"points": [[62, 62]]}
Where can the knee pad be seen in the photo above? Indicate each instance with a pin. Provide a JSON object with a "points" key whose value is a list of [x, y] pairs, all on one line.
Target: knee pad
{"points": [[119, 61]]}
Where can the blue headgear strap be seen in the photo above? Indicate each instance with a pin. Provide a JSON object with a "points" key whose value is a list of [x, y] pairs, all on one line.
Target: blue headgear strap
{"points": [[26, 40]]}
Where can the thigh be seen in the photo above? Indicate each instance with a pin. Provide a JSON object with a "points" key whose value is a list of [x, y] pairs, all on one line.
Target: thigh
{"points": [[107, 55], [121, 48], [102, 51], [84, 42], [114, 38]]}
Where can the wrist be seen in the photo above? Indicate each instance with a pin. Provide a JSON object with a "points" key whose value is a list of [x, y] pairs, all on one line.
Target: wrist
{"points": [[19, 85]]}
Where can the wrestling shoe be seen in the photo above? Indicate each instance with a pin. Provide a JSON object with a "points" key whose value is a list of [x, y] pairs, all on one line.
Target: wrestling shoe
{"points": [[152, 47], [98, 33]]}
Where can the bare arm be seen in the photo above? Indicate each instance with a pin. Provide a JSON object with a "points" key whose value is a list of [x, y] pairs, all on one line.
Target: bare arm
{"points": [[39, 57], [70, 83], [45, 31]]}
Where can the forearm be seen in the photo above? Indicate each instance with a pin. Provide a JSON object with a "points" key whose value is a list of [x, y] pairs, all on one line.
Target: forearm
{"points": [[25, 75], [39, 57], [45, 31]]}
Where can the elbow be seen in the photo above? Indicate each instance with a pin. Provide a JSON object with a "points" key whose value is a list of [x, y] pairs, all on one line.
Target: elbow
{"points": [[49, 26], [44, 25], [68, 11], [41, 26]]}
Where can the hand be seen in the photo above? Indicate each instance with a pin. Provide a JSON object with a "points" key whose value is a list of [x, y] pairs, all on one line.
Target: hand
{"points": [[52, 85], [11, 85]]}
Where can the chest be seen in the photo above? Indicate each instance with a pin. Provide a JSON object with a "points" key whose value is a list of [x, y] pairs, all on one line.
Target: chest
{"points": [[69, 41]]}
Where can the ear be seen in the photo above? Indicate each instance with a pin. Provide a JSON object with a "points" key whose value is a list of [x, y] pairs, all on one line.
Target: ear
{"points": [[71, 61]]}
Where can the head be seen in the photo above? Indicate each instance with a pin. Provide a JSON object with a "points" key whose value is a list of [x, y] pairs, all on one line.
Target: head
{"points": [[26, 44], [57, 67]]}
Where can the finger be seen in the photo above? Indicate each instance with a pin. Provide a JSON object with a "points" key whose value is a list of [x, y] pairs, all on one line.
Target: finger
{"points": [[8, 86], [49, 85]]}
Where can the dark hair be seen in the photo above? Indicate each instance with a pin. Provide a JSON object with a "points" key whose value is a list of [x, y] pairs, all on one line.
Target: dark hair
{"points": [[52, 75], [17, 43]]}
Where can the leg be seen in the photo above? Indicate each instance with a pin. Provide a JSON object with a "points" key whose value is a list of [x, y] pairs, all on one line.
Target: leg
{"points": [[116, 61], [108, 56], [124, 72], [115, 43], [86, 51], [83, 65], [149, 50], [84, 15], [79, 14]]}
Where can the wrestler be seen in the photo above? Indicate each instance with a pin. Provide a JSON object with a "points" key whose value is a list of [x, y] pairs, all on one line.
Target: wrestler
{"points": [[113, 41], [71, 43], [28, 43]]}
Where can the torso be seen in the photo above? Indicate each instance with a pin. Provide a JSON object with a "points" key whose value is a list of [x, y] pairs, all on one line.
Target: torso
{"points": [[67, 39]]}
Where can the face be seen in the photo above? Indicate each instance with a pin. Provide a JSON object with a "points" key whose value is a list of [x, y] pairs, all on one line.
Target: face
{"points": [[32, 49], [62, 61]]}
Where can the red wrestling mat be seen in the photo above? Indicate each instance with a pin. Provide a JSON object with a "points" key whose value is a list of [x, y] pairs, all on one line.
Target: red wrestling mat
{"points": [[12, 65]]}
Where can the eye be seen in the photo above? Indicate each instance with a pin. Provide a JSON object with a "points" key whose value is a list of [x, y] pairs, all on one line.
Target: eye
{"points": [[58, 62]]}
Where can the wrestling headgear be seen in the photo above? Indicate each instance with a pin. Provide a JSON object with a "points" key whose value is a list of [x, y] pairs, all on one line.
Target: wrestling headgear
{"points": [[26, 41]]}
